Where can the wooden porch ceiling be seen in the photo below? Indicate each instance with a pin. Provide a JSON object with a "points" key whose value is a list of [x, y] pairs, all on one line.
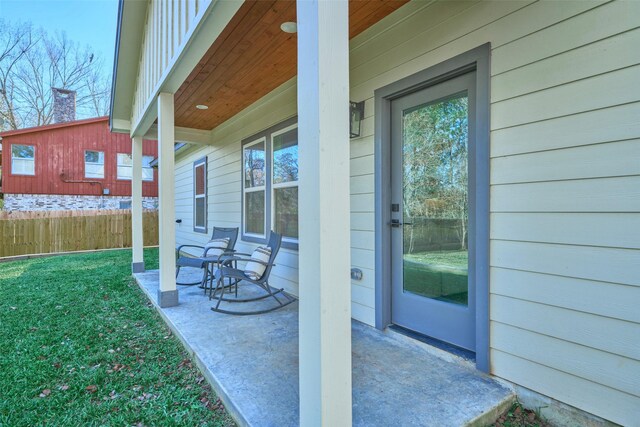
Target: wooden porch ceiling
{"points": [[252, 57]]}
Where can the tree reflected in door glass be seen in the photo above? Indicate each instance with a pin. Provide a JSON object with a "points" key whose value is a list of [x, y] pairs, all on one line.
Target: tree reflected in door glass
{"points": [[435, 199]]}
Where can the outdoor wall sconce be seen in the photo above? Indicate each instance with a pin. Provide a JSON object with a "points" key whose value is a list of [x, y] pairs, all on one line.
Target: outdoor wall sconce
{"points": [[356, 114]]}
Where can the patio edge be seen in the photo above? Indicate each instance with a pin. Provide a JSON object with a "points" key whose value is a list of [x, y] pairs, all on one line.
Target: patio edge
{"points": [[489, 417], [229, 406]]}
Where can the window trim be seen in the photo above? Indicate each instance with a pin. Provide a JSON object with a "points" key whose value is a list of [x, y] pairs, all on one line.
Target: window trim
{"points": [[118, 177], [202, 162], [259, 238], [275, 186], [21, 158], [267, 135], [92, 163]]}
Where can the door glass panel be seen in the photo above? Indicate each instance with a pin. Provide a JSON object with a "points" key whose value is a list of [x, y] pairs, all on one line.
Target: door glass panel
{"points": [[435, 200]]}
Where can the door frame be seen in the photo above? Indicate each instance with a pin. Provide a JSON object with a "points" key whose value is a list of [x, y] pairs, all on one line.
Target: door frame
{"points": [[477, 59]]}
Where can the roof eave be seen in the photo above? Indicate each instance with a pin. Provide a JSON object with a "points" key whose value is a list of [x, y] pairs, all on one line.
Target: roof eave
{"points": [[52, 126], [130, 30]]}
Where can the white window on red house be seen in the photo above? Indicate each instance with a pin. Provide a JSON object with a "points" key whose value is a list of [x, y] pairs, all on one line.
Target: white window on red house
{"points": [[93, 164], [147, 170], [125, 167], [23, 159]]}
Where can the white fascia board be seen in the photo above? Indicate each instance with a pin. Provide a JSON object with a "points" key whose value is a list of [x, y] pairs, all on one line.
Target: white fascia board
{"points": [[120, 126], [188, 135], [131, 23]]}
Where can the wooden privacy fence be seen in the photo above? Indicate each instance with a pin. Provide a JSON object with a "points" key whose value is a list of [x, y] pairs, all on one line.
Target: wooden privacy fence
{"points": [[27, 233], [432, 234]]}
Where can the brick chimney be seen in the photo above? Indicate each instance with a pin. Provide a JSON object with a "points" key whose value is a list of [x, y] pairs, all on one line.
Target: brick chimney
{"points": [[64, 105]]}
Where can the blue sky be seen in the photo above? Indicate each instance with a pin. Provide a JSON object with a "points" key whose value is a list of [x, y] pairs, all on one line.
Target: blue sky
{"points": [[87, 22]]}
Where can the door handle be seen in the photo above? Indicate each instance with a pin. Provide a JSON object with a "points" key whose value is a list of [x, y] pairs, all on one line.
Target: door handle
{"points": [[396, 223]]}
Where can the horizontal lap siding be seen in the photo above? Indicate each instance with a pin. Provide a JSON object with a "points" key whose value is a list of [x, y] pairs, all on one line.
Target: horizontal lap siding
{"points": [[565, 183], [224, 192], [224, 179]]}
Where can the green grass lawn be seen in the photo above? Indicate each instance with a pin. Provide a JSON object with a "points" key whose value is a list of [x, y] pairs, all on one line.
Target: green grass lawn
{"points": [[441, 275], [81, 345], [457, 259]]}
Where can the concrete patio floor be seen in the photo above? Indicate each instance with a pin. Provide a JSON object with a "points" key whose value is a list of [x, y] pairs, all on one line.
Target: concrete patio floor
{"points": [[252, 363]]}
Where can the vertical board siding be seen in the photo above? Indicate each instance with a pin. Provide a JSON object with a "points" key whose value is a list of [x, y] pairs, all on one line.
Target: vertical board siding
{"points": [[166, 34], [29, 233], [565, 180], [60, 149]]}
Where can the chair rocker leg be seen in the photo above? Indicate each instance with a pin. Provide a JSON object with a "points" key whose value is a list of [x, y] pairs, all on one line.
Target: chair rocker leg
{"points": [[189, 284], [236, 299], [270, 293], [214, 290]]}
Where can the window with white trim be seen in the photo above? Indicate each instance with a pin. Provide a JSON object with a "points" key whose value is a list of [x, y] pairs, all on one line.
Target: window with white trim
{"points": [[270, 184], [254, 188], [23, 159], [125, 167], [200, 195], [93, 164], [284, 182]]}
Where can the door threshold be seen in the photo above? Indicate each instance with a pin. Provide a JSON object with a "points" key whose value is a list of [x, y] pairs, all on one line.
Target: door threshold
{"points": [[462, 354]]}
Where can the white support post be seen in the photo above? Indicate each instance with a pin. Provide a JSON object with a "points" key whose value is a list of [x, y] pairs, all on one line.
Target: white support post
{"points": [[137, 265], [167, 294], [325, 254]]}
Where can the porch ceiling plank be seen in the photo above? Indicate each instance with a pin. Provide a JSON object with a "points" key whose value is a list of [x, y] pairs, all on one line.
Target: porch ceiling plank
{"points": [[258, 67], [217, 53], [374, 11], [253, 57], [233, 94], [231, 55], [203, 69]]}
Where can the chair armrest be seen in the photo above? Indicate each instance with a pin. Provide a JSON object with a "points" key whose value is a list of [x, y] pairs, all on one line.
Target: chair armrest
{"points": [[241, 253], [189, 246], [206, 251], [225, 252], [228, 260]]}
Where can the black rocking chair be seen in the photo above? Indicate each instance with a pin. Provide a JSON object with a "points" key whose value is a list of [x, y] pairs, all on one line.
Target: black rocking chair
{"points": [[229, 270], [203, 261]]}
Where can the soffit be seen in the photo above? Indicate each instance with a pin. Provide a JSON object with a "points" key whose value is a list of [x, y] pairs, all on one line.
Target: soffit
{"points": [[252, 57]]}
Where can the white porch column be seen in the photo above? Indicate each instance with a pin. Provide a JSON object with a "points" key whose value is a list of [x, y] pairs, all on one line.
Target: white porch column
{"points": [[137, 265], [167, 294], [325, 254]]}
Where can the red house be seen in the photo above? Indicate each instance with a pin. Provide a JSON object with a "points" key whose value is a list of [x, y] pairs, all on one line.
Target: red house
{"points": [[73, 165]]}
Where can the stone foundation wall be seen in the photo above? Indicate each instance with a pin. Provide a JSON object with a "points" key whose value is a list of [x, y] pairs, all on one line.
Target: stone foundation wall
{"points": [[56, 202]]}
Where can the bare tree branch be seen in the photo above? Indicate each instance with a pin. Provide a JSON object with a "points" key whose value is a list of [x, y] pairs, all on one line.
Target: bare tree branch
{"points": [[32, 62]]}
